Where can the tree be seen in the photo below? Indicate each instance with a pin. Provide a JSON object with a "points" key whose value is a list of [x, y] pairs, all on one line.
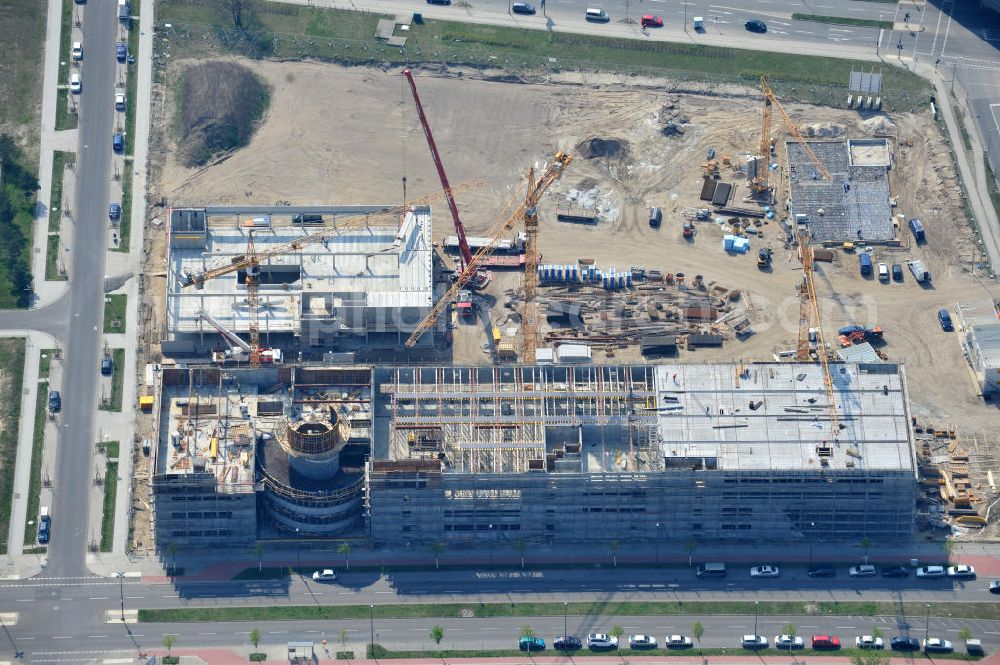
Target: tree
{"points": [[866, 543], [345, 550], [965, 633], [790, 629], [527, 631], [235, 8], [255, 637], [949, 547], [168, 642], [690, 546], [344, 636], [258, 549], [614, 545], [437, 548], [172, 551], [520, 545], [617, 631], [437, 634], [877, 632], [698, 631]]}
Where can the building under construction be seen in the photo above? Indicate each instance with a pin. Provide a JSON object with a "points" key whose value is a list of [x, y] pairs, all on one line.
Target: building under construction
{"points": [[352, 277], [545, 453]]}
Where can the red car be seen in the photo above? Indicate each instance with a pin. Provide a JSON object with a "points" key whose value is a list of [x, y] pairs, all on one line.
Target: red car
{"points": [[825, 642], [650, 21]]}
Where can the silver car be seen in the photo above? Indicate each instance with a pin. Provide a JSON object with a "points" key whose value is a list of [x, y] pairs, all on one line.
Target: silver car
{"points": [[678, 642], [641, 642], [601, 641]]}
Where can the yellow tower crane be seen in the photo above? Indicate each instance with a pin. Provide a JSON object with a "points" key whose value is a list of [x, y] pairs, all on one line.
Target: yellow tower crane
{"points": [[809, 318]]}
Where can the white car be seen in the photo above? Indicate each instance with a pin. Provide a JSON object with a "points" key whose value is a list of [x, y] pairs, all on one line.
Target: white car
{"points": [[963, 572], [869, 642], [883, 272], [325, 575], [931, 571], [601, 641], [119, 101], [789, 642], [764, 571], [75, 84], [678, 642], [863, 571], [77, 51], [937, 645], [753, 642], [641, 642]]}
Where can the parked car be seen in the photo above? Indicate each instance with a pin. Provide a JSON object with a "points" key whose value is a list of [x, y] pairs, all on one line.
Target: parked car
{"points": [[531, 644], [641, 642], [755, 25], [821, 571], [325, 575], [567, 643], [655, 218], [883, 272], [119, 101], [75, 84], [931, 571], [828, 642], [601, 641], [937, 645], [77, 51], [944, 318], [904, 644], [597, 15], [962, 572], [753, 642], [107, 365], [864, 570], [896, 571], [650, 21], [438, 2], [897, 272], [115, 212], [523, 8], [118, 142], [44, 526], [789, 642], [764, 571], [55, 401], [121, 51], [994, 586], [678, 642], [869, 642]]}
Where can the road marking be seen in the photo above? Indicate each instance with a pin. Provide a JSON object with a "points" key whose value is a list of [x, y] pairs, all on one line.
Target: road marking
{"points": [[97, 637], [62, 637], [840, 30], [208, 633], [101, 598], [134, 597]]}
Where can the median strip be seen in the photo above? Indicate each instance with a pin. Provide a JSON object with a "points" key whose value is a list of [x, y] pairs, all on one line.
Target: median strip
{"points": [[844, 20]]}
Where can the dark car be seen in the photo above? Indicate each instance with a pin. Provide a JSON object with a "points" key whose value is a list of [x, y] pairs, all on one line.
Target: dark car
{"points": [[897, 272], [115, 212], [944, 318], [44, 529], [118, 142], [107, 365], [121, 51], [438, 2], [655, 217], [55, 401], [650, 21], [567, 643], [531, 644], [904, 644], [994, 586], [755, 25], [523, 8], [896, 571], [821, 571]]}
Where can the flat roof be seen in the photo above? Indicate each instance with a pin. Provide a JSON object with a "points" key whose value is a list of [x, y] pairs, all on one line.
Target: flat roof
{"points": [[987, 338]]}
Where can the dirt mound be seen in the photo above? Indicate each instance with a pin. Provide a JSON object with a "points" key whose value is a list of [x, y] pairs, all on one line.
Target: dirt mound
{"points": [[826, 130], [878, 125], [220, 106], [598, 147]]}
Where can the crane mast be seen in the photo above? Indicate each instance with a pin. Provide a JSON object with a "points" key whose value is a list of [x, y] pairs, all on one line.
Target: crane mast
{"points": [[535, 190], [809, 315], [253, 299], [529, 316], [463, 243]]}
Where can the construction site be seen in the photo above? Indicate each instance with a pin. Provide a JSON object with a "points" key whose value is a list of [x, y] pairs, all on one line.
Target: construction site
{"points": [[633, 302]]}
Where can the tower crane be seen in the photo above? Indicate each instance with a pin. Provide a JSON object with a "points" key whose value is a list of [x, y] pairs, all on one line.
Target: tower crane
{"points": [[759, 184], [809, 317], [251, 259], [551, 173], [481, 277]]}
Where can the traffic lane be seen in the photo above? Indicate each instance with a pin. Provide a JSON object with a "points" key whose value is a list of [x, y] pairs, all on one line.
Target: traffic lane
{"points": [[502, 632]]}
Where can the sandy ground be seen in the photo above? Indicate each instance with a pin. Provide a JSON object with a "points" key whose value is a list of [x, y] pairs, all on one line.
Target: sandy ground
{"points": [[348, 135]]}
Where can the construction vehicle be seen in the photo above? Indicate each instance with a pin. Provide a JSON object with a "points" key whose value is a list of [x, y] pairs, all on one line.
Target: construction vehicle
{"points": [[687, 230], [764, 258], [481, 278], [238, 349], [759, 184], [850, 335], [552, 172]]}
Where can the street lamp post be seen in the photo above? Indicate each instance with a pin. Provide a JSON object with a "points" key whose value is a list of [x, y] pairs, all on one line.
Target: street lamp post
{"points": [[658, 526], [371, 624], [491, 544], [565, 611], [121, 590], [927, 625], [755, 607]]}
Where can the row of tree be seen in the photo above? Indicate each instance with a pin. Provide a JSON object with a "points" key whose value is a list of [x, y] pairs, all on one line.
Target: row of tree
{"points": [[18, 189]]}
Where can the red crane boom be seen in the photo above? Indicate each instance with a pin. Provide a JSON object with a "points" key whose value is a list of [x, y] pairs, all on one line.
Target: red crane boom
{"points": [[459, 229]]}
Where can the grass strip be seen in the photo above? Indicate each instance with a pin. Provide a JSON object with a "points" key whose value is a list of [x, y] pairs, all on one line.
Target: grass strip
{"points": [[35, 480], [843, 20], [60, 160], [114, 401], [64, 118], [108, 517], [131, 87], [52, 272], [12, 377], [991, 183], [45, 362], [297, 32], [965, 610], [111, 450], [114, 312], [125, 223]]}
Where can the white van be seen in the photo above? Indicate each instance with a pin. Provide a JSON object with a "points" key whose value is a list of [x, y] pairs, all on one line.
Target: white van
{"points": [[597, 15], [698, 23]]}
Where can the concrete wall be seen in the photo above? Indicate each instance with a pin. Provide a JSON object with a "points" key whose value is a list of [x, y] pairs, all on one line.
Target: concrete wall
{"points": [[190, 513]]}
